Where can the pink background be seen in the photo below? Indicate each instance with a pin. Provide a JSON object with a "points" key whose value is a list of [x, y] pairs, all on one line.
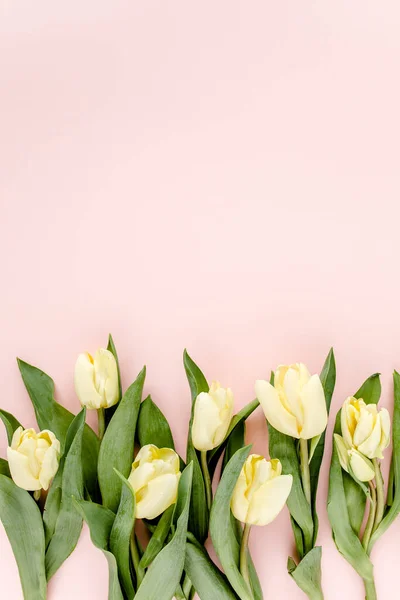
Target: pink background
{"points": [[217, 175]]}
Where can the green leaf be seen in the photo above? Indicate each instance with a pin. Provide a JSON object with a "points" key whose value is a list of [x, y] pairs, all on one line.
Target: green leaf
{"points": [[10, 423], [22, 521], [328, 380], [370, 391], [153, 427], [164, 574], [109, 412], [100, 521], [394, 509], [51, 415], [68, 524], [283, 447], [220, 524], [307, 574], [198, 516], [355, 501], [207, 579], [346, 540], [120, 536], [111, 348], [117, 446], [4, 468], [158, 538]]}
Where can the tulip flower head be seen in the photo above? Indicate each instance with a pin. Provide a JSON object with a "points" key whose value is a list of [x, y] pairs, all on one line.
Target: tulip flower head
{"points": [[154, 479], [295, 405], [365, 434], [96, 379], [212, 416], [261, 491], [33, 458]]}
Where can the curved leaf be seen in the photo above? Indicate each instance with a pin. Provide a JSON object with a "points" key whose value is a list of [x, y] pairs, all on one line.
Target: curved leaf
{"points": [[346, 540], [22, 521], [394, 508], [370, 391], [158, 538], [53, 416], [220, 524], [68, 524], [153, 427], [100, 521], [164, 574], [4, 468], [10, 423], [198, 516], [117, 446], [121, 534], [108, 414], [307, 574], [207, 579]]}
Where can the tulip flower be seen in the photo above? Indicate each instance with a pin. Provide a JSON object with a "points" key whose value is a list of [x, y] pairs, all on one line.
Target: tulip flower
{"points": [[96, 379], [261, 491], [295, 404], [154, 479], [33, 459], [212, 416], [351, 459], [259, 495], [365, 428]]}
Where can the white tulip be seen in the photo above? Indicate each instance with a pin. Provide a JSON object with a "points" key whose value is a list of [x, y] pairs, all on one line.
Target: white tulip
{"points": [[212, 416], [96, 379]]}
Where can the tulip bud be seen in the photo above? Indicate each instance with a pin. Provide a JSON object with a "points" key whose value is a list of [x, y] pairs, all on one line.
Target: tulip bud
{"points": [[154, 479], [261, 491], [364, 428], [212, 416], [351, 460], [33, 458], [295, 405], [96, 379]]}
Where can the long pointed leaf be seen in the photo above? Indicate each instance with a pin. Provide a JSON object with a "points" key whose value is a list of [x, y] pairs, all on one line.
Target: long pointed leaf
{"points": [[117, 446], [68, 524], [22, 521], [207, 579], [10, 423], [153, 427]]}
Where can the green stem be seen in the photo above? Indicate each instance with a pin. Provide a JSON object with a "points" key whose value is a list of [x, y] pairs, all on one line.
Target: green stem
{"points": [[187, 586], [370, 590], [102, 422], [380, 494], [244, 563], [371, 518], [207, 478], [305, 469], [136, 560]]}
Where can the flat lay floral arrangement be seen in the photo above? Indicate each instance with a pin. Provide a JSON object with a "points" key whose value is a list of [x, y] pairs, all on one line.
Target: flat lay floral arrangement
{"points": [[55, 479]]}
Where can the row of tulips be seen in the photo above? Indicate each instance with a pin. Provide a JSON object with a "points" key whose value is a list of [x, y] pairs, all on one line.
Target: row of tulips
{"points": [[54, 480]]}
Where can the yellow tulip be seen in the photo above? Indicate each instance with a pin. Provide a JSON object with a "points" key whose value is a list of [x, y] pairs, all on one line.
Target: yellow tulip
{"points": [[96, 379], [154, 479], [261, 491], [212, 416], [351, 459], [295, 404], [33, 458], [365, 428]]}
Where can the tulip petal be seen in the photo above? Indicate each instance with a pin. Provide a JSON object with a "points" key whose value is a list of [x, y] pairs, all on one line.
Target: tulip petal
{"points": [[205, 422], [385, 428], [291, 385], [49, 466], [342, 452], [268, 501], [20, 471], [159, 494], [314, 408], [240, 502], [274, 411], [364, 427], [84, 383], [370, 446], [361, 466], [106, 376]]}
